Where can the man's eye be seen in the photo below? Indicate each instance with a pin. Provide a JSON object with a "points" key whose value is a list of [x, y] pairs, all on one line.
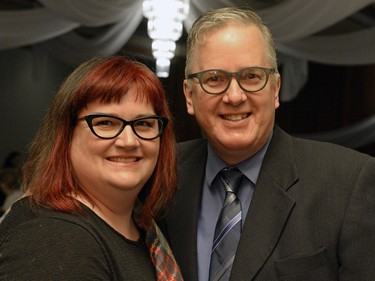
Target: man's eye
{"points": [[214, 78], [250, 76], [253, 76]]}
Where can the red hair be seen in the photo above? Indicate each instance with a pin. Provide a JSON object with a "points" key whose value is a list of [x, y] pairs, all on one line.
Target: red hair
{"points": [[48, 173]]}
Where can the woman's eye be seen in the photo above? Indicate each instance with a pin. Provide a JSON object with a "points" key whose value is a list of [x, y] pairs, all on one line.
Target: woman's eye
{"points": [[143, 123], [104, 122]]}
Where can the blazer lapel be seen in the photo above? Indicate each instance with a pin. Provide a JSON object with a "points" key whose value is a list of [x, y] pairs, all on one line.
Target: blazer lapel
{"points": [[184, 217], [269, 209]]}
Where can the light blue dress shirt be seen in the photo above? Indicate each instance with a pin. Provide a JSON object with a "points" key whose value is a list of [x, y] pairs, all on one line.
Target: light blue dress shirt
{"points": [[212, 200]]}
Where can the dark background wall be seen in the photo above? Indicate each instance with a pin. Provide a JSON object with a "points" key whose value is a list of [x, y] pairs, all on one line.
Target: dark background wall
{"points": [[333, 97]]}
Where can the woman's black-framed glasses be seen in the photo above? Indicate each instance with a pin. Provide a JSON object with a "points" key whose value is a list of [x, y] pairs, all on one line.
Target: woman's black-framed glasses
{"points": [[217, 81], [108, 127]]}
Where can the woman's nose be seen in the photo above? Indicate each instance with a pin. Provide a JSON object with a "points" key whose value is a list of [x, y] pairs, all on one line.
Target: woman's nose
{"points": [[127, 138]]}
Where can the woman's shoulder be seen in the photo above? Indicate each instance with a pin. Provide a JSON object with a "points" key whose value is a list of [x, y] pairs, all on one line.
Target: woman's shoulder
{"points": [[36, 222], [49, 237]]}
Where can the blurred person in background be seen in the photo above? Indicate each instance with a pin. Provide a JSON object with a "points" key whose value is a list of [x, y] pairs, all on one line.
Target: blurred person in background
{"points": [[9, 180]]}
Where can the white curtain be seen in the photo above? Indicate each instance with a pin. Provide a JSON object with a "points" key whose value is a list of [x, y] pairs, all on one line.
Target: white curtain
{"points": [[52, 28], [354, 136], [293, 24]]}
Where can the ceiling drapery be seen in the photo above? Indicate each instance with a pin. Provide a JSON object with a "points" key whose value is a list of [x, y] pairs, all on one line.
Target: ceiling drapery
{"points": [[52, 27]]}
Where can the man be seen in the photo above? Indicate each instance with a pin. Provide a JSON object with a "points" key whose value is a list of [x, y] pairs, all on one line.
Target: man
{"points": [[307, 208]]}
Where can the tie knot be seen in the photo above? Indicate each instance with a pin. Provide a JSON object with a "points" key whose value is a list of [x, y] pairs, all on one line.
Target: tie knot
{"points": [[232, 178]]}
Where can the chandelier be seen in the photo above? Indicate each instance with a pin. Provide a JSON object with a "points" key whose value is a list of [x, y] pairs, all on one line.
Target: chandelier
{"points": [[164, 27]]}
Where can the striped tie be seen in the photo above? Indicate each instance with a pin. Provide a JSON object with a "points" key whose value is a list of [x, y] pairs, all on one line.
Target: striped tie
{"points": [[228, 227]]}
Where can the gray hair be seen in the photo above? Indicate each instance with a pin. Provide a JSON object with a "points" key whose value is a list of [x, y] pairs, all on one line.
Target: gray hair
{"points": [[219, 18]]}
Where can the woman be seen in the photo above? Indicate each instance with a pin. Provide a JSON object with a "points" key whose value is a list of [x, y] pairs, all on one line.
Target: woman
{"points": [[99, 170]]}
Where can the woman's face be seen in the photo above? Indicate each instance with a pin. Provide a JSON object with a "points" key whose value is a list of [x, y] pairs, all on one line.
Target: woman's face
{"points": [[109, 169]]}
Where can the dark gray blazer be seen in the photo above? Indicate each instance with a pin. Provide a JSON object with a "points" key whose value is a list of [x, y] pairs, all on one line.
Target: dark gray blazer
{"points": [[312, 216]]}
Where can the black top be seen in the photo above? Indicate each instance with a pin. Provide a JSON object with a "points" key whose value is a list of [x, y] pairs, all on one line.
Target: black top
{"points": [[50, 245]]}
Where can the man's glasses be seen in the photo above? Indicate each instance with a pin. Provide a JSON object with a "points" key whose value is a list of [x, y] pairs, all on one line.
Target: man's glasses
{"points": [[108, 127], [217, 81]]}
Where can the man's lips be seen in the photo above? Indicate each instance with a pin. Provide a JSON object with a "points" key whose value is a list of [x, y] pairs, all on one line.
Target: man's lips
{"points": [[235, 117]]}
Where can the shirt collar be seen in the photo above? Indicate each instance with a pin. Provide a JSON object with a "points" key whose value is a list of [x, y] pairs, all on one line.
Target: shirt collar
{"points": [[250, 167]]}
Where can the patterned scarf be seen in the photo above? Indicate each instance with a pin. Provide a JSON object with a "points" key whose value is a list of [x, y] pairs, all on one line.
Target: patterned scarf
{"points": [[161, 255]]}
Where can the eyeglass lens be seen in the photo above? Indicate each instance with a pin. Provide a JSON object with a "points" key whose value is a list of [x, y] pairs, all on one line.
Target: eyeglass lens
{"points": [[110, 127], [250, 79]]}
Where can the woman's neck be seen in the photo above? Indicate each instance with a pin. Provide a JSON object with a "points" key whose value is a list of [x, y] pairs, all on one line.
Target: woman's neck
{"points": [[120, 219]]}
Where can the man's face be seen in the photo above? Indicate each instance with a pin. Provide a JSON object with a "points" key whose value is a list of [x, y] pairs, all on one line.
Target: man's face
{"points": [[236, 123]]}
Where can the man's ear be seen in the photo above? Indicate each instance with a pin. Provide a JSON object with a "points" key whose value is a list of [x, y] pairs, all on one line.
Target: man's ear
{"points": [[277, 90], [188, 92]]}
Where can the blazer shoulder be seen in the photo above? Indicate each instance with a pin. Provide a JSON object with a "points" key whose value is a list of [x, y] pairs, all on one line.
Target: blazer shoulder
{"points": [[329, 150], [287, 152], [187, 147], [303, 145]]}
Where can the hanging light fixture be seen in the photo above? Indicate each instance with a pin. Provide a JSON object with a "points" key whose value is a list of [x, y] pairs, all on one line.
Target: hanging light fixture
{"points": [[164, 27]]}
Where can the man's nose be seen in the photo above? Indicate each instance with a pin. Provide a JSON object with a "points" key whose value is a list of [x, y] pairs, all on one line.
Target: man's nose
{"points": [[234, 95]]}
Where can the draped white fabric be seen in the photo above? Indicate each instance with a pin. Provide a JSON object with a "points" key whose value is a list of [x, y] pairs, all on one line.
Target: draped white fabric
{"points": [[53, 27], [354, 136], [294, 24]]}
